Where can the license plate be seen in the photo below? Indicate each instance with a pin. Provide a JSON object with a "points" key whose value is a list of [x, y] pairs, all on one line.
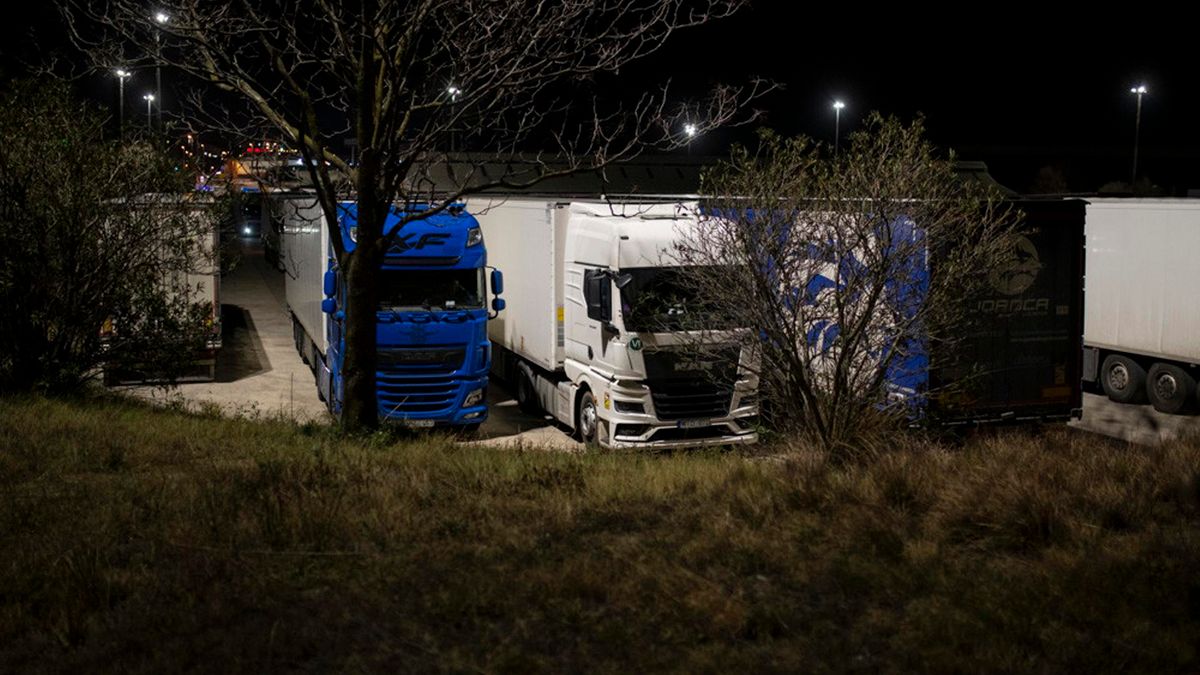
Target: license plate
{"points": [[417, 424], [693, 424]]}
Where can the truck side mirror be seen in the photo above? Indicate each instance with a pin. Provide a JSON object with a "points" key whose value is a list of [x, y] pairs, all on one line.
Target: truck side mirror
{"points": [[329, 305], [330, 283], [597, 292], [497, 282], [498, 305]]}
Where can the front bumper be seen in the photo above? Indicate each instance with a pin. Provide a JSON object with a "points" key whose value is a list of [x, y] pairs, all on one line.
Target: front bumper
{"points": [[621, 428], [405, 406]]}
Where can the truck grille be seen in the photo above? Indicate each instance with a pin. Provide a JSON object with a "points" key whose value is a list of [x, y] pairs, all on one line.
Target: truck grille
{"points": [[691, 385], [682, 399], [427, 360], [405, 394]]}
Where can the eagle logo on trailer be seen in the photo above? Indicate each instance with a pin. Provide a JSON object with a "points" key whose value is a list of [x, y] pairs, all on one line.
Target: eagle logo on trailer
{"points": [[1019, 276]]}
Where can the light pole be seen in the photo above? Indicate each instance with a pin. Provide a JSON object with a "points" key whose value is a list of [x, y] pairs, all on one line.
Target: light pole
{"points": [[1140, 90], [454, 92], [149, 114], [837, 125], [121, 74], [690, 131], [161, 18]]}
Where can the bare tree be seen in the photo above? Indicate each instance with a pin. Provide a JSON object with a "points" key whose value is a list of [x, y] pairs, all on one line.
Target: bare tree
{"points": [[100, 249], [849, 270], [407, 80]]}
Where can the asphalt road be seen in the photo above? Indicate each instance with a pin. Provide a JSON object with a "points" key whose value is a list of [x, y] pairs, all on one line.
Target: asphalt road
{"points": [[1135, 423], [259, 371]]}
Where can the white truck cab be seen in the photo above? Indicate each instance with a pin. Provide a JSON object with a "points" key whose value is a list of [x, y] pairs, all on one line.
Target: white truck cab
{"points": [[584, 339]]}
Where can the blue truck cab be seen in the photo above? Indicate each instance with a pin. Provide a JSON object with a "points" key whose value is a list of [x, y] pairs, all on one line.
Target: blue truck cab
{"points": [[431, 320]]}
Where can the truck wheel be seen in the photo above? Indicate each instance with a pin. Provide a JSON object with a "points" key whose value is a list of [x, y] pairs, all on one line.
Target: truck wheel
{"points": [[1123, 380], [587, 419], [1171, 389], [297, 337], [526, 397]]}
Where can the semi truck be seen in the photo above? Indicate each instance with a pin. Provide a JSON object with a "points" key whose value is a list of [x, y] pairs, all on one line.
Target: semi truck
{"points": [[193, 282], [572, 342], [1018, 354], [431, 322], [1142, 316]]}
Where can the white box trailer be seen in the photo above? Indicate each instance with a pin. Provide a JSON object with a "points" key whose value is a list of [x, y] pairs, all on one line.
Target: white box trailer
{"points": [[191, 217], [305, 252], [528, 246], [570, 349], [1142, 301]]}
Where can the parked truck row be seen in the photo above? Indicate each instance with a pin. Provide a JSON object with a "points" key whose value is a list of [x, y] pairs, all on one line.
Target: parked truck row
{"points": [[572, 346]]}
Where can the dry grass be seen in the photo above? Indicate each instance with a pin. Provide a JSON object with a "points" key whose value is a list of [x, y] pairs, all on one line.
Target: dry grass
{"points": [[141, 540]]}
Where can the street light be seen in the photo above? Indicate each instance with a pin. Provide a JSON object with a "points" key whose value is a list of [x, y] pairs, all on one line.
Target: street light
{"points": [[690, 130], [454, 93], [149, 115], [837, 125], [1140, 90], [121, 74], [161, 18]]}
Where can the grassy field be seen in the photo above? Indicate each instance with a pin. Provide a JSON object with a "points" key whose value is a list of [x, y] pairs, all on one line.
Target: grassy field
{"points": [[143, 541]]}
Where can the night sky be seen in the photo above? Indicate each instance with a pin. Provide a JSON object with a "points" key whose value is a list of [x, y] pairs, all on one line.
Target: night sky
{"points": [[1020, 86]]}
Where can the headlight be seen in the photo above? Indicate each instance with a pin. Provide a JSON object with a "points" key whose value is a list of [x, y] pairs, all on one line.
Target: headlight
{"points": [[474, 236], [473, 398]]}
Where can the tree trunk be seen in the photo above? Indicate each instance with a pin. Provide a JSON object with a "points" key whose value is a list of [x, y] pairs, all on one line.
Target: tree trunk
{"points": [[360, 407]]}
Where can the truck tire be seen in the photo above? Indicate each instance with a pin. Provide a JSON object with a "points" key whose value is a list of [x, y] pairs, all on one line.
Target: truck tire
{"points": [[1123, 380], [587, 419], [299, 338], [526, 395], [1171, 389]]}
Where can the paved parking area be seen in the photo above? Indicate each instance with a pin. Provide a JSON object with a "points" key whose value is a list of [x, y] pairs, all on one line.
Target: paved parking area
{"points": [[259, 371], [1134, 423]]}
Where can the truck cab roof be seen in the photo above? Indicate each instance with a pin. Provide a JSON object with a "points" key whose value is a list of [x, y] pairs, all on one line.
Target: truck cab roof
{"points": [[446, 239]]}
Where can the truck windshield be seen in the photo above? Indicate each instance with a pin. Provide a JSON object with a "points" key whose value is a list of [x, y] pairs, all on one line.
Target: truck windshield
{"points": [[663, 299], [431, 289]]}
